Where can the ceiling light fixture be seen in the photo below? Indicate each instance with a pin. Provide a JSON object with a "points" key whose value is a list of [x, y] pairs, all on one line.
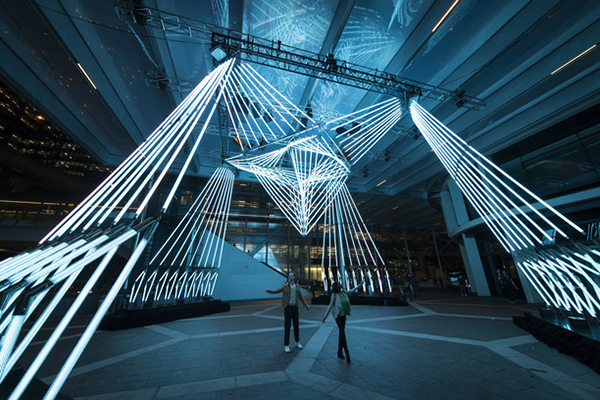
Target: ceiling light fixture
{"points": [[445, 16], [218, 53], [573, 59], [382, 182], [86, 76]]}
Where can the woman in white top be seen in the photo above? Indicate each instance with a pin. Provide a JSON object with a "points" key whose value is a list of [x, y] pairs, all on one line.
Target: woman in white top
{"points": [[339, 306]]}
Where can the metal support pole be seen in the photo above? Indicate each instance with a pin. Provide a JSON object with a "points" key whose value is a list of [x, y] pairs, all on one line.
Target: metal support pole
{"points": [[340, 246], [267, 245], [437, 253], [407, 252], [245, 233]]}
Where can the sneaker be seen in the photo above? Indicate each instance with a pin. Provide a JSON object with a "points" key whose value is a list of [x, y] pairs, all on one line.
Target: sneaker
{"points": [[286, 349], [298, 345]]}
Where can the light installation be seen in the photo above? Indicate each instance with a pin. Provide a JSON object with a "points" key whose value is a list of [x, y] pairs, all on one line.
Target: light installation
{"points": [[565, 276], [349, 252], [186, 266], [300, 164], [303, 166], [110, 218]]}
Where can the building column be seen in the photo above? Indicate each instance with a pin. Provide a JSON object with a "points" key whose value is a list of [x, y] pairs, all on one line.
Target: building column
{"points": [[456, 214], [473, 265]]}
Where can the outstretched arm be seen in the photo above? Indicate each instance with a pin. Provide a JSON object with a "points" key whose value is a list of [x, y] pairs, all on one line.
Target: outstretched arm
{"points": [[329, 308], [354, 289], [303, 301], [275, 291]]}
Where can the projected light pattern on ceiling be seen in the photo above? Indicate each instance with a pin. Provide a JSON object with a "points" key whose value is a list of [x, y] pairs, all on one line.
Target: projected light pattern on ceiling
{"points": [[565, 276], [373, 35], [297, 24]]}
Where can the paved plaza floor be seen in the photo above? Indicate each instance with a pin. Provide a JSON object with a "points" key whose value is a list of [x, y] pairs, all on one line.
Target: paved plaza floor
{"points": [[442, 347]]}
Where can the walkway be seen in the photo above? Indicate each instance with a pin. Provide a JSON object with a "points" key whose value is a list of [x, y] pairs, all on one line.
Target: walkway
{"points": [[444, 347]]}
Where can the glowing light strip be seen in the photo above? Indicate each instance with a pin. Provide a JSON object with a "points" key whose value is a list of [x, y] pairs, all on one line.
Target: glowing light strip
{"points": [[381, 129], [189, 159], [573, 59], [120, 170], [476, 198], [153, 145], [257, 81], [484, 162], [471, 153], [343, 212], [50, 342], [35, 260], [445, 16], [238, 79], [113, 181], [506, 198], [248, 67], [93, 325], [235, 106], [237, 133], [189, 128], [554, 269], [561, 276], [184, 225], [367, 120], [362, 227], [86, 76], [213, 201]]}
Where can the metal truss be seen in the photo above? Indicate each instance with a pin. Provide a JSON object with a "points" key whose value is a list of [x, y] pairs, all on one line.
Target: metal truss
{"points": [[226, 44]]}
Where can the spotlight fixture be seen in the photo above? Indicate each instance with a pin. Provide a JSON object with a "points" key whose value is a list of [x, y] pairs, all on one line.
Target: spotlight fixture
{"points": [[218, 53], [365, 173], [387, 156]]}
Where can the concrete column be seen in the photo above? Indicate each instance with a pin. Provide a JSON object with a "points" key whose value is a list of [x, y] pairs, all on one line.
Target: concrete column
{"points": [[458, 203], [448, 209], [531, 294], [473, 265]]}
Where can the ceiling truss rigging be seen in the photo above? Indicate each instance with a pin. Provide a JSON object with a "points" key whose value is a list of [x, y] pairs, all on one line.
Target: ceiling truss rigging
{"points": [[278, 55]]}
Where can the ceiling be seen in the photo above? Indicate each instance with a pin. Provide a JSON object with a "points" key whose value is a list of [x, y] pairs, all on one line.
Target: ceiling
{"points": [[502, 52]]}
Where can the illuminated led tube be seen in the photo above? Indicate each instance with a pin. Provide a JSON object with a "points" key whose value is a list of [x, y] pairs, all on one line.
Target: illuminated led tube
{"points": [[93, 325]]}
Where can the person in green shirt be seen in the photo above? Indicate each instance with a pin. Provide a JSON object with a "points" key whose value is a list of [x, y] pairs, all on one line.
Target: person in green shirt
{"points": [[339, 307]]}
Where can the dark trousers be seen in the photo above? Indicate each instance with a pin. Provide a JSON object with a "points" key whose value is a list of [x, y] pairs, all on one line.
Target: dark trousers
{"points": [[291, 315], [341, 323]]}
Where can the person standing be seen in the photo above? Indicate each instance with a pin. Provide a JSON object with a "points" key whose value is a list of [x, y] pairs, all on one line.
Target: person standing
{"points": [[510, 286], [414, 287], [289, 301], [462, 285], [339, 307]]}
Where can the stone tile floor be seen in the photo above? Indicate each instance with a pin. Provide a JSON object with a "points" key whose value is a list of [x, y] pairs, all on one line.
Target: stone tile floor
{"points": [[442, 347]]}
